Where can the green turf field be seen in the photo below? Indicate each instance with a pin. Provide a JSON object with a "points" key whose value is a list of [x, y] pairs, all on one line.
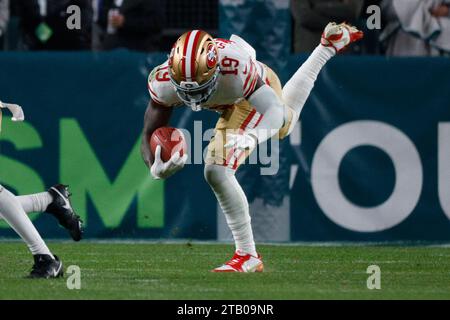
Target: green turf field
{"points": [[181, 271]]}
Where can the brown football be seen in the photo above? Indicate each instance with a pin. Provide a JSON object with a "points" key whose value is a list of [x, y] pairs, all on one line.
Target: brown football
{"points": [[171, 141]]}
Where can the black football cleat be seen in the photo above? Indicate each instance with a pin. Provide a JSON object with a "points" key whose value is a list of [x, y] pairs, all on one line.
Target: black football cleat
{"points": [[62, 209], [46, 267]]}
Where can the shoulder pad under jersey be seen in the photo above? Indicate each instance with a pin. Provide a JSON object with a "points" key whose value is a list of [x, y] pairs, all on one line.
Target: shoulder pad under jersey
{"points": [[160, 88]]}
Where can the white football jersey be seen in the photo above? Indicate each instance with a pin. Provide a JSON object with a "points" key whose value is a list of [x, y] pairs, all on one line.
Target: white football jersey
{"points": [[239, 72]]}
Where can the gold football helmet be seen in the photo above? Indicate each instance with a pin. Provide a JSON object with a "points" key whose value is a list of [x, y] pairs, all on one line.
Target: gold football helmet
{"points": [[193, 67]]}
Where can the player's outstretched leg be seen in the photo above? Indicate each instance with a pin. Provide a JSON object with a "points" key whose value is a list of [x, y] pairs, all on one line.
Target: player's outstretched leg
{"points": [[46, 265], [56, 202], [235, 206], [335, 38]]}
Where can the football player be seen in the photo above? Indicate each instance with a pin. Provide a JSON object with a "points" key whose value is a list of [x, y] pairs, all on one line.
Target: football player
{"points": [[224, 76], [14, 209]]}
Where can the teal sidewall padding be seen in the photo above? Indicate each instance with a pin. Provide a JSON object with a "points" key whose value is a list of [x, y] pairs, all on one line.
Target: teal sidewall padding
{"points": [[106, 94], [408, 94]]}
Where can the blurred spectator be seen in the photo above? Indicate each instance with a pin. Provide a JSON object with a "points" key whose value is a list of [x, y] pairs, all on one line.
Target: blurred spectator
{"points": [[4, 18], [132, 24], [43, 24], [311, 17], [416, 27], [97, 31]]}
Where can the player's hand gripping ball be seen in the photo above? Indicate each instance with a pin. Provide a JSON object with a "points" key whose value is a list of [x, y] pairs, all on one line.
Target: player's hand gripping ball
{"points": [[171, 141], [169, 150]]}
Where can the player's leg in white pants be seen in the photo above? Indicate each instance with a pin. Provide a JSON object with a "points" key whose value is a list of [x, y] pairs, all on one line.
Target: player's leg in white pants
{"points": [[37, 202], [13, 213], [234, 205], [297, 89]]}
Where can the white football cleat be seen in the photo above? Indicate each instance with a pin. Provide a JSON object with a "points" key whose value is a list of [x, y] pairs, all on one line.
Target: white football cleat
{"points": [[242, 262], [339, 36]]}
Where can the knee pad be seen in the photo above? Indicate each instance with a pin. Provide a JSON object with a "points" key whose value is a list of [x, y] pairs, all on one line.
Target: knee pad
{"points": [[215, 174]]}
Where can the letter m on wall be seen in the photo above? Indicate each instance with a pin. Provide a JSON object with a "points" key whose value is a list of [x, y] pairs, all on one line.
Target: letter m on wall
{"points": [[112, 198]]}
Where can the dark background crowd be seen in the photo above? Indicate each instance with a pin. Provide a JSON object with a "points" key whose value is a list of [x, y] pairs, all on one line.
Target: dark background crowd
{"points": [[153, 25], [143, 25]]}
